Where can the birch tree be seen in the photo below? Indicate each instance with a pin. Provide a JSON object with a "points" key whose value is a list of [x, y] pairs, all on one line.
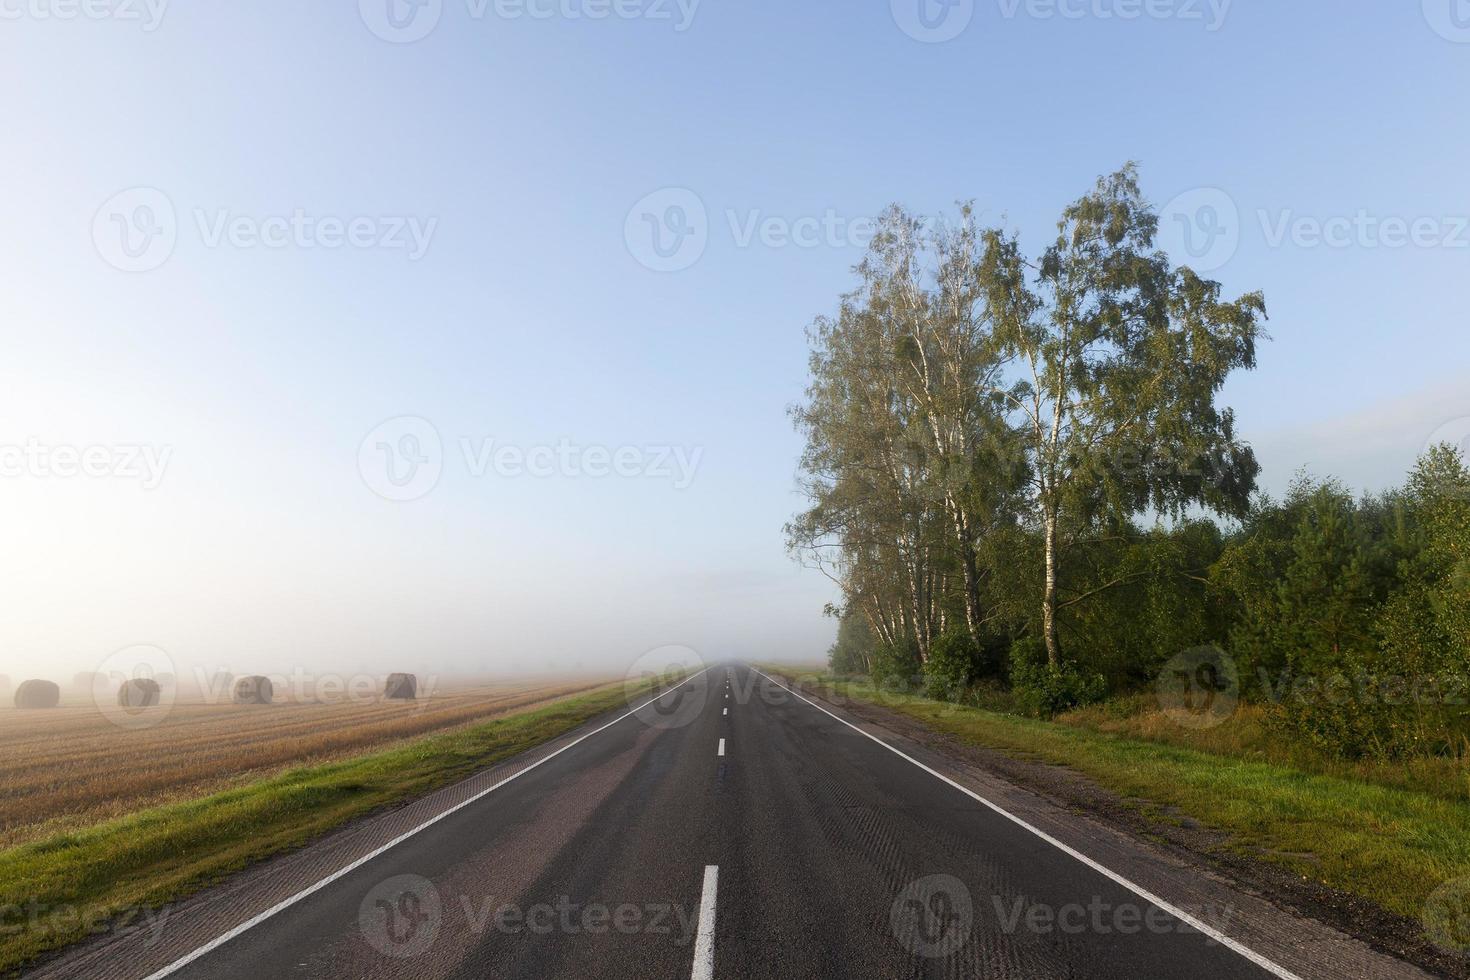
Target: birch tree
{"points": [[899, 430], [1114, 361]]}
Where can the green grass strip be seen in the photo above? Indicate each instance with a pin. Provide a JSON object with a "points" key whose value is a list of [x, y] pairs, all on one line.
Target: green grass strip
{"points": [[1390, 845]]}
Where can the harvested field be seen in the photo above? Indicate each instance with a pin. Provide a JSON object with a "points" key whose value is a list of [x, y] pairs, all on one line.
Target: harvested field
{"points": [[70, 767]]}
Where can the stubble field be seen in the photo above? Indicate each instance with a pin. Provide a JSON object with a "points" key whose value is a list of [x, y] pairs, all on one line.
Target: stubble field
{"points": [[72, 766]]}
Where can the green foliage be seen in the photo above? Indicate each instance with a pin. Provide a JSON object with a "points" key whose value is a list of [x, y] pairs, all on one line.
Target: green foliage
{"points": [[1350, 615], [1341, 713], [855, 646], [952, 666], [1010, 461], [1148, 598], [1043, 690], [896, 668]]}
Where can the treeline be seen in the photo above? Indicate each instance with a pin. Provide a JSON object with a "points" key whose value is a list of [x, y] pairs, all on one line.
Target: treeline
{"points": [[1019, 475]]}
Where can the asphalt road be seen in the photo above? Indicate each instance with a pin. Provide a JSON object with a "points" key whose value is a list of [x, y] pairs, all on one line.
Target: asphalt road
{"points": [[730, 829]]}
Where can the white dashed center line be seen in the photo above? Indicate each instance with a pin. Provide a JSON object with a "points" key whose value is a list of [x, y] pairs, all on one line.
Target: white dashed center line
{"points": [[704, 940], [722, 747]]}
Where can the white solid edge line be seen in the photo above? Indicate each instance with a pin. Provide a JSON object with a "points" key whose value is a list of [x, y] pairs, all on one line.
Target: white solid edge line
{"points": [[1138, 890], [310, 890], [722, 748], [704, 940]]}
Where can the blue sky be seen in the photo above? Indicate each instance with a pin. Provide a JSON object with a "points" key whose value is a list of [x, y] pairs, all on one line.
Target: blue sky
{"points": [[517, 146]]}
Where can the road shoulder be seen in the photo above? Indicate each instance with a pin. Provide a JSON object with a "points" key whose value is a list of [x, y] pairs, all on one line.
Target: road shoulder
{"points": [[1310, 929]]}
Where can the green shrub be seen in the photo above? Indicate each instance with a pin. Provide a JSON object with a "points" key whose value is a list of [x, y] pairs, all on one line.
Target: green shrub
{"points": [[895, 668], [952, 665], [1044, 691]]}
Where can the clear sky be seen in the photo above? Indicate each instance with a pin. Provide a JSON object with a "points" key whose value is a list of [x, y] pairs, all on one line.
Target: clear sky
{"points": [[238, 239]]}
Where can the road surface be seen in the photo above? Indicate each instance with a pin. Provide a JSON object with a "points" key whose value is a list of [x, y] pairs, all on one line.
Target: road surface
{"points": [[730, 829]]}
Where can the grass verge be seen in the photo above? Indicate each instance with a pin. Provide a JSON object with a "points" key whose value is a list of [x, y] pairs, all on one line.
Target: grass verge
{"points": [[1391, 845], [56, 891]]}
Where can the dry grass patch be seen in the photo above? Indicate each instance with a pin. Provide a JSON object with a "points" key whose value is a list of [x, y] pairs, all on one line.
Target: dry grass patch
{"points": [[71, 767]]}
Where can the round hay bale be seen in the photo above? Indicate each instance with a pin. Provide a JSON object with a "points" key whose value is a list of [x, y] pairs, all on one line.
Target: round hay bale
{"points": [[254, 690], [140, 692], [37, 694], [401, 687]]}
